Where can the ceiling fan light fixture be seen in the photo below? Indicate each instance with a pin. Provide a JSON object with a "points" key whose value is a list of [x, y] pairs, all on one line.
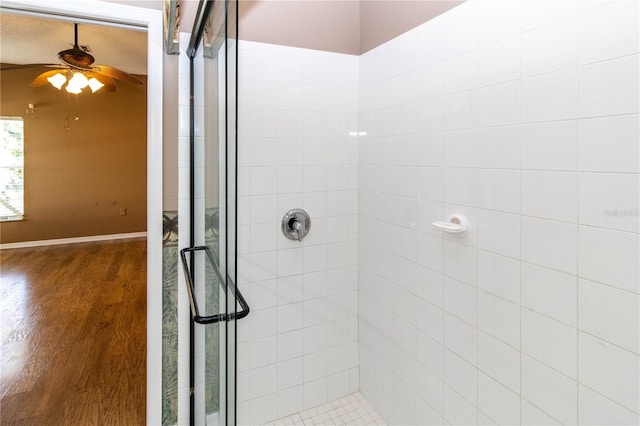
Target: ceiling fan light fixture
{"points": [[95, 85], [73, 89], [77, 72], [57, 80], [77, 83]]}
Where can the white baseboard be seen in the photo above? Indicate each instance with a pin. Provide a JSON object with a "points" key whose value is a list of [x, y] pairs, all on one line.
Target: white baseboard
{"points": [[74, 240]]}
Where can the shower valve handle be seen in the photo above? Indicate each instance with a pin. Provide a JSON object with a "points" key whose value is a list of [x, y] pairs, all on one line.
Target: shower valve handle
{"points": [[296, 224]]}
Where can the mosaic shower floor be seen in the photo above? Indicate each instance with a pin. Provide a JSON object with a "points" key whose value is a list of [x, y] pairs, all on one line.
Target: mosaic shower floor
{"points": [[351, 410]]}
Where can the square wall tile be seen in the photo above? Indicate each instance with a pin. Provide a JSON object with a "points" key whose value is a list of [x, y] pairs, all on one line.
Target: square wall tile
{"points": [[263, 352], [430, 114], [458, 110], [460, 300], [404, 404], [499, 275], [461, 187], [429, 149], [549, 390], [429, 387], [431, 80], [315, 393], [429, 285], [499, 360], [550, 293], [430, 182], [461, 376], [461, 72], [460, 262], [499, 318], [550, 195], [426, 414], [497, 401], [610, 313], [538, 13], [533, 416], [609, 144], [263, 380], [550, 97], [549, 48], [499, 147], [609, 370], [599, 40], [429, 353], [499, 62], [609, 200], [499, 190], [497, 21], [498, 105], [549, 146], [290, 373], [609, 88], [429, 251], [550, 342], [609, 257], [499, 232], [290, 401], [461, 148], [461, 338], [596, 409], [549, 243], [289, 345], [458, 410]]}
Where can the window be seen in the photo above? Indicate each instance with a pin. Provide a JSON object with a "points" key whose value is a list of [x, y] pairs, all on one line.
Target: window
{"points": [[12, 169]]}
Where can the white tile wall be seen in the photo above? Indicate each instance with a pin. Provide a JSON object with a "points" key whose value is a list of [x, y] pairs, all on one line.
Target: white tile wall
{"points": [[297, 109], [523, 116], [520, 114]]}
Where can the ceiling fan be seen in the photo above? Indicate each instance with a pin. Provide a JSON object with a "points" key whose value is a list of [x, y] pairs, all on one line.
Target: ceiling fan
{"points": [[76, 72]]}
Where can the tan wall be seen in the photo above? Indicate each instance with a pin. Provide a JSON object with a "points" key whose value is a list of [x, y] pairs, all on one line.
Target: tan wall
{"points": [[343, 26], [312, 24], [381, 21], [77, 181], [170, 133], [188, 10]]}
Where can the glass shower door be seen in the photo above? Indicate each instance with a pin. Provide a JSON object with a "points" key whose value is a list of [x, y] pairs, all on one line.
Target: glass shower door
{"points": [[210, 262]]}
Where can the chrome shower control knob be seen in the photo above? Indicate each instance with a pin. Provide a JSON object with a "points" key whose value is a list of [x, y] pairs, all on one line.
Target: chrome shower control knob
{"points": [[296, 224]]}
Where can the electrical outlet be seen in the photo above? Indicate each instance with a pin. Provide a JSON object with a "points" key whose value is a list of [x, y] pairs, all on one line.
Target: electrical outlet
{"points": [[123, 211]]}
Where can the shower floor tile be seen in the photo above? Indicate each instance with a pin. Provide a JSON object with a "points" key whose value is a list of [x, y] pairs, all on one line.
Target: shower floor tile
{"points": [[351, 410]]}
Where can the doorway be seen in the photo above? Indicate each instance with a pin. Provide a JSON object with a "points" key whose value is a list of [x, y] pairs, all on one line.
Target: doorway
{"points": [[151, 21]]}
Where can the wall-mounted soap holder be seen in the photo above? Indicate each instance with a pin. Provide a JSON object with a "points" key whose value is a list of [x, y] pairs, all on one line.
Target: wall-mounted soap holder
{"points": [[456, 225]]}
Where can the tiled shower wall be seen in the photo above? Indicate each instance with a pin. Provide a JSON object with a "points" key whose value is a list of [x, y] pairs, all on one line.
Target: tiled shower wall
{"points": [[297, 148], [522, 116]]}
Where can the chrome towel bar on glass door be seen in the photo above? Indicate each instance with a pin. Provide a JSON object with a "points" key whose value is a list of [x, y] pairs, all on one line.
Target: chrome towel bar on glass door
{"points": [[195, 312]]}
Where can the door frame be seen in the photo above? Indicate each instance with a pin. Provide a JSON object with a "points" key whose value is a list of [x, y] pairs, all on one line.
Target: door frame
{"points": [[151, 21]]}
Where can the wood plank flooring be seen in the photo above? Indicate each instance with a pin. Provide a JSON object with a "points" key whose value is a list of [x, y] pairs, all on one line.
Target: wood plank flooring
{"points": [[73, 334]]}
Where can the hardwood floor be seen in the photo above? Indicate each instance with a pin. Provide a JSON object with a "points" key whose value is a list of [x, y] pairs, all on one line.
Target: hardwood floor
{"points": [[73, 334]]}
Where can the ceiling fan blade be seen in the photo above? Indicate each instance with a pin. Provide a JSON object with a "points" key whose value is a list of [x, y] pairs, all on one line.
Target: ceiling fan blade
{"points": [[117, 74], [109, 84], [42, 78], [9, 67]]}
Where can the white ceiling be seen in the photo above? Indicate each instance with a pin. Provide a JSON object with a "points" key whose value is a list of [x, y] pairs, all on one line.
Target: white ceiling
{"points": [[27, 39]]}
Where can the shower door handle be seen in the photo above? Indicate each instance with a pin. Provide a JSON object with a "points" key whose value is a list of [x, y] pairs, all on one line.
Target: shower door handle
{"points": [[195, 311]]}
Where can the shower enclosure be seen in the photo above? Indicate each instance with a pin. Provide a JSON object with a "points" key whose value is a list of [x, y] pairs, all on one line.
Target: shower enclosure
{"points": [[210, 261], [516, 120]]}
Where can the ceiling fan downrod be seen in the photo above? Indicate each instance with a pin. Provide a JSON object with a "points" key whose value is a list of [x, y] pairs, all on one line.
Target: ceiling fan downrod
{"points": [[76, 57]]}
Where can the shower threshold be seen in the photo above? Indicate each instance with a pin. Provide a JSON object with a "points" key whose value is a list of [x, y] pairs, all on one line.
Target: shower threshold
{"points": [[350, 410]]}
